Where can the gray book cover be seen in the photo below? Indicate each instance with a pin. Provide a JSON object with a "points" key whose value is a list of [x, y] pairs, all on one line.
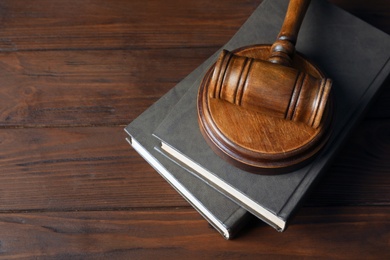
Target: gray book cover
{"points": [[351, 52], [221, 212]]}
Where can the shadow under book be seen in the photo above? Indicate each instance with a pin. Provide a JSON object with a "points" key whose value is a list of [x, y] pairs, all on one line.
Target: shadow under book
{"points": [[168, 135]]}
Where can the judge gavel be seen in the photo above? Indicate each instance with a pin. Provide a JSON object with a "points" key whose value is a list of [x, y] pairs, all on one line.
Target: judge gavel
{"points": [[273, 87]]}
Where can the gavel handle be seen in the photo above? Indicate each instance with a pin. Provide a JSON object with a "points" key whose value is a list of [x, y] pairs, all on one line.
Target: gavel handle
{"points": [[283, 49]]}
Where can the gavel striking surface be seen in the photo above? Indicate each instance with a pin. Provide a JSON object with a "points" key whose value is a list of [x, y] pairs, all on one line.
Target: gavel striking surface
{"points": [[256, 141]]}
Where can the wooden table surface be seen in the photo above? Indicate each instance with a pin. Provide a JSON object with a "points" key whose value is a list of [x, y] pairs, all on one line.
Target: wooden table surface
{"points": [[74, 73]]}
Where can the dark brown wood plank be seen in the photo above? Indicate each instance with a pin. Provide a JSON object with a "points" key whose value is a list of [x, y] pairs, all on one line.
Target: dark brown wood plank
{"points": [[75, 169], [326, 233], [94, 87], [73, 73], [74, 24], [93, 168], [88, 87], [79, 88], [64, 24]]}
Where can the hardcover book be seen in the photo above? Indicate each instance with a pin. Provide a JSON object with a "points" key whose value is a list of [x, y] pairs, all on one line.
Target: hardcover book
{"points": [[351, 52], [221, 212]]}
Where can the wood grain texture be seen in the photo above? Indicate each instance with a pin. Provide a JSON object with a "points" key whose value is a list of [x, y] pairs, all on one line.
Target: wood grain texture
{"points": [[275, 90], [76, 168], [94, 168], [172, 233], [56, 88], [120, 24], [73, 73], [283, 49], [251, 131], [87, 87]]}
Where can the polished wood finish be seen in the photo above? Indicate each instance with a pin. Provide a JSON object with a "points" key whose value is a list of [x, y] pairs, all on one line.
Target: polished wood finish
{"points": [[283, 49], [255, 139], [272, 89], [265, 84], [164, 234], [74, 73]]}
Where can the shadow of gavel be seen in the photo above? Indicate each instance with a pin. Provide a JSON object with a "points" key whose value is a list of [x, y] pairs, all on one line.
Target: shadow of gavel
{"points": [[272, 86]]}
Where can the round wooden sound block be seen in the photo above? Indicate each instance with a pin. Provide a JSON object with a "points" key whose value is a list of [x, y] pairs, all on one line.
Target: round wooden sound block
{"points": [[255, 141]]}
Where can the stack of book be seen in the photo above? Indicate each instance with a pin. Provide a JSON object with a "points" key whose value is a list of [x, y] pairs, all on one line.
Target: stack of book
{"points": [[351, 52]]}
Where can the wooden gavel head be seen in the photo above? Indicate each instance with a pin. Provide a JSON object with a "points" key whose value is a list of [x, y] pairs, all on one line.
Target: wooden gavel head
{"points": [[265, 108], [270, 88]]}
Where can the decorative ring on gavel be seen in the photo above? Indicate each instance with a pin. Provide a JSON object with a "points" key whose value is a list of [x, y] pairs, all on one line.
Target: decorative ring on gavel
{"points": [[270, 88]]}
